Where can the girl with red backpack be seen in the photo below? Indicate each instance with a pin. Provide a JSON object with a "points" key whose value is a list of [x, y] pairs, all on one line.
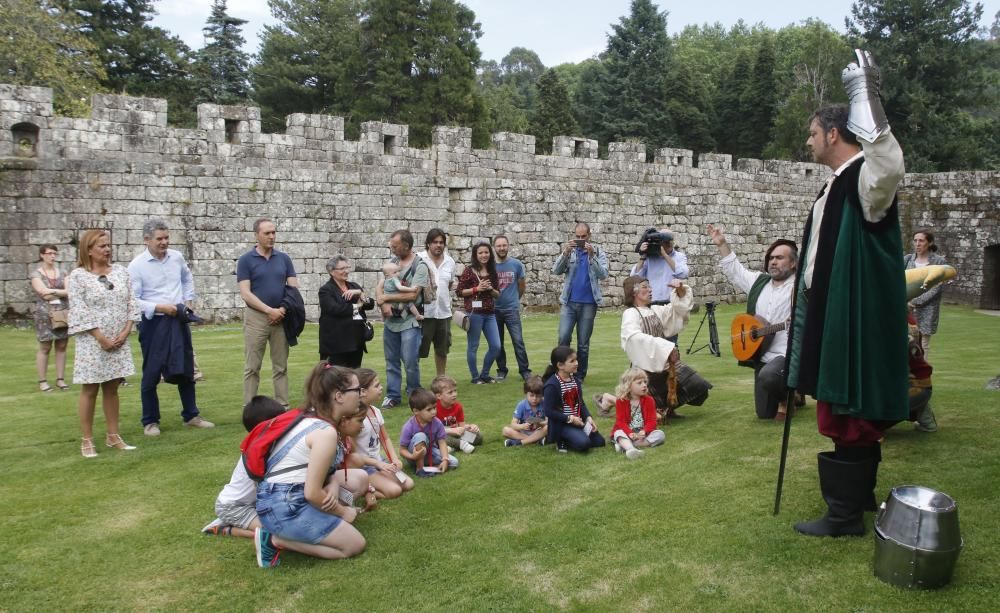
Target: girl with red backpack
{"points": [[295, 501]]}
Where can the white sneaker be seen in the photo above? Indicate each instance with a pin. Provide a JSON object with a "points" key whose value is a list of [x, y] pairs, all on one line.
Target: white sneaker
{"points": [[618, 448], [152, 429], [633, 454], [466, 447]]}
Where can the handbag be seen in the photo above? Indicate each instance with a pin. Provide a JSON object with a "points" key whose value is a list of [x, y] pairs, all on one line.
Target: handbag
{"points": [[58, 317], [367, 330]]}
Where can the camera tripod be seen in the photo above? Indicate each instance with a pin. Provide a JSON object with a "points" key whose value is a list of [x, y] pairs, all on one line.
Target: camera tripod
{"points": [[713, 332]]}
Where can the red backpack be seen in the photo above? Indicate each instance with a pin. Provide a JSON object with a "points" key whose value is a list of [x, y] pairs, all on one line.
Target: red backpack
{"points": [[257, 445]]}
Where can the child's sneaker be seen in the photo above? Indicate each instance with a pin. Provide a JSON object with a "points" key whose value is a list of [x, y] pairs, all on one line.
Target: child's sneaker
{"points": [[217, 528], [511, 442], [466, 446], [618, 448], [267, 553], [561, 448], [633, 454]]}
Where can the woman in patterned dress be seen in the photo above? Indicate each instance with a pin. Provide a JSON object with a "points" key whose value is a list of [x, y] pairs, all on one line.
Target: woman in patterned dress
{"points": [[48, 282], [101, 312]]}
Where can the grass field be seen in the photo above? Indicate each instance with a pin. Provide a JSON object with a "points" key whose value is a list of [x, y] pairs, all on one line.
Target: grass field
{"points": [[688, 527]]}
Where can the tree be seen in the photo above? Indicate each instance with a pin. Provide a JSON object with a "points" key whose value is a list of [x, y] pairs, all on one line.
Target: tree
{"points": [[759, 101], [552, 116], [590, 103], [521, 68], [139, 59], [40, 46], [728, 106], [932, 74], [221, 65], [309, 60], [689, 109], [637, 61], [809, 60], [419, 65]]}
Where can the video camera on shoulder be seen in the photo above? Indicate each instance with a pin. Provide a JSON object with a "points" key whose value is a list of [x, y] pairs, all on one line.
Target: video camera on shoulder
{"points": [[654, 240]]}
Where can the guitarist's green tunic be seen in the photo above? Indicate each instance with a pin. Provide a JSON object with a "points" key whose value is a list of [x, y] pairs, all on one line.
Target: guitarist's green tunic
{"points": [[849, 342]]}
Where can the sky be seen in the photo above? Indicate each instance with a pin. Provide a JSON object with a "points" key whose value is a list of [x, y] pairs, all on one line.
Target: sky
{"points": [[558, 31]]}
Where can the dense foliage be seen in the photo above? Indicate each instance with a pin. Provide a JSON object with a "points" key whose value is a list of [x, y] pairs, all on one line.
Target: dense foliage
{"points": [[746, 90]]}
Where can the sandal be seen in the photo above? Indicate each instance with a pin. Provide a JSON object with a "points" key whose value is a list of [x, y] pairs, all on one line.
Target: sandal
{"points": [[116, 442], [61, 384], [87, 448], [43, 385]]}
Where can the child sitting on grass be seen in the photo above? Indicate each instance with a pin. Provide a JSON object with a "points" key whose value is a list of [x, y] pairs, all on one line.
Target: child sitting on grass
{"points": [[392, 284], [384, 468], [422, 441], [236, 505], [350, 472], [635, 415], [528, 425], [451, 414], [569, 421]]}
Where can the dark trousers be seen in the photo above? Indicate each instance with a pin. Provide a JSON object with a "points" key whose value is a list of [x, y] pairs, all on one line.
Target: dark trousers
{"points": [[573, 436], [511, 319], [347, 359], [154, 358], [769, 387]]}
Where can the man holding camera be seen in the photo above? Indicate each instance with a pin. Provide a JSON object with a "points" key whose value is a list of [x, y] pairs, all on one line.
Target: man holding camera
{"points": [[769, 297], [584, 265], [660, 263]]}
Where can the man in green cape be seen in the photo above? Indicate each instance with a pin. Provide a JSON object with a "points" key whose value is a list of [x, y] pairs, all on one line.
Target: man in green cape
{"points": [[849, 340]]}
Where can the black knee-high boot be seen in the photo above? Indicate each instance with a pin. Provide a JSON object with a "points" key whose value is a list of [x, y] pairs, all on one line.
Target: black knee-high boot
{"points": [[847, 481]]}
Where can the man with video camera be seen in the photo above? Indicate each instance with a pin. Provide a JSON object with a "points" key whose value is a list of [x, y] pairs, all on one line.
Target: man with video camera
{"points": [[660, 263]]}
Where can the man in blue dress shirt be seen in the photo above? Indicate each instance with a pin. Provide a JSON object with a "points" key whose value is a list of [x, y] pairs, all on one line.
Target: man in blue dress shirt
{"points": [[163, 286]]}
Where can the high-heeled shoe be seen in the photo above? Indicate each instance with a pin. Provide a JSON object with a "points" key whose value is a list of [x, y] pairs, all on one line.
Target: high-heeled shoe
{"points": [[87, 448], [114, 441]]}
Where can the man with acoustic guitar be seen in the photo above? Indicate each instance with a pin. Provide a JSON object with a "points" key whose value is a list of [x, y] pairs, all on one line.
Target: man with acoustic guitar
{"points": [[760, 337]]}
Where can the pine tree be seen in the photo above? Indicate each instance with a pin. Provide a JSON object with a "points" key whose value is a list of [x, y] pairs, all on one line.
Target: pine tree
{"points": [[221, 66], [419, 66], [933, 72], [728, 106], [759, 102], [308, 61], [689, 110], [553, 116], [637, 61]]}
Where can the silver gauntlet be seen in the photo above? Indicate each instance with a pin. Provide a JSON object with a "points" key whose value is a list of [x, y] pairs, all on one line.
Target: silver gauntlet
{"points": [[866, 118]]}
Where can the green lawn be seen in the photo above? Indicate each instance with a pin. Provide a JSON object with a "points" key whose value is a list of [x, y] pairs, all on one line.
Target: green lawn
{"points": [[687, 527]]}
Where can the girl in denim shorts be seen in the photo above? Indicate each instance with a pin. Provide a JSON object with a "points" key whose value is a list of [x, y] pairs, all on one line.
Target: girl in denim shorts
{"points": [[296, 501]]}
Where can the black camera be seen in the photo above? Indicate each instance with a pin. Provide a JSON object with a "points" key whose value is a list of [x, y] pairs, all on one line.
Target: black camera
{"points": [[654, 240]]}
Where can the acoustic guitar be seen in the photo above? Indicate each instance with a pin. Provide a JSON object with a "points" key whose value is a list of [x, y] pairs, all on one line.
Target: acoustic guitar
{"points": [[749, 333]]}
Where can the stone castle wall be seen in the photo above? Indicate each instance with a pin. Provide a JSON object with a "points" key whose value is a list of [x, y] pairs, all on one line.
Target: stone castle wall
{"points": [[329, 195]]}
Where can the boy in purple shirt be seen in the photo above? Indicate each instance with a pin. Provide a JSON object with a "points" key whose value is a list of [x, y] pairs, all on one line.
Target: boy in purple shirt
{"points": [[425, 433]]}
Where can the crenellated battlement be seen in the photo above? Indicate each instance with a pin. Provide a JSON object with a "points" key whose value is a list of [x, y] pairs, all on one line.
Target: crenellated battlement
{"points": [[330, 195]]}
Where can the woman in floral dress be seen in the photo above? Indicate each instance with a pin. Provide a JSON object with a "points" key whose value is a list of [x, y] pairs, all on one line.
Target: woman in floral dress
{"points": [[101, 312]]}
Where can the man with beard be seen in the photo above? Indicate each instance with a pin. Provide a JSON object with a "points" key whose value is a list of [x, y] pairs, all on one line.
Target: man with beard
{"points": [[769, 297]]}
